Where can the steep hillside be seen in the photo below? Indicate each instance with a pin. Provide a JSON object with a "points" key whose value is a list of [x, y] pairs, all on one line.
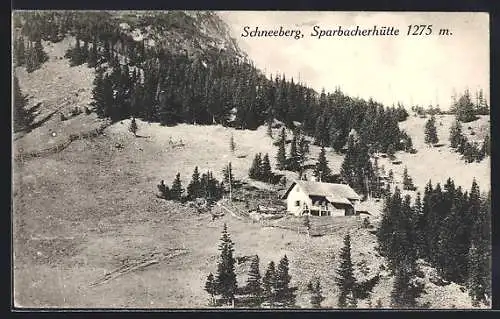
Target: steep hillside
{"points": [[439, 163], [71, 241], [56, 89]]}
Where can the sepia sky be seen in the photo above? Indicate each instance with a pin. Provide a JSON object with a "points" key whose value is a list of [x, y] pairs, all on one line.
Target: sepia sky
{"points": [[411, 69]]}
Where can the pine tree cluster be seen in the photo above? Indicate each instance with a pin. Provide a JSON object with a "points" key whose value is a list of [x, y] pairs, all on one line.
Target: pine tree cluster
{"points": [[273, 288], [446, 228], [351, 290], [466, 110], [204, 186], [356, 169], [29, 53], [471, 151], [261, 168]]}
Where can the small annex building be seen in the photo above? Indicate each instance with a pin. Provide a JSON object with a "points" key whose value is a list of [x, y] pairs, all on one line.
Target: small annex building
{"points": [[320, 199]]}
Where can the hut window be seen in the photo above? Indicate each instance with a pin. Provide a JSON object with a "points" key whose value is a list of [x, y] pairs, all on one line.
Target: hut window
{"points": [[297, 203]]}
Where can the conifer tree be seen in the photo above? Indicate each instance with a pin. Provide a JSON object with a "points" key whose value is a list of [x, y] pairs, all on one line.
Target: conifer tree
{"points": [[405, 289], [478, 283], [22, 117], [232, 145], [356, 169], [164, 190], [35, 56], [284, 293], [133, 128], [321, 171], [281, 157], [210, 188], [176, 190], [194, 187], [255, 170], [464, 108], [302, 149], [102, 94], [293, 158], [485, 148], [431, 132], [269, 283], [396, 234], [314, 288], [479, 255], [265, 170], [455, 134], [254, 285], [226, 284], [407, 181], [211, 288], [228, 175], [19, 51], [345, 279]]}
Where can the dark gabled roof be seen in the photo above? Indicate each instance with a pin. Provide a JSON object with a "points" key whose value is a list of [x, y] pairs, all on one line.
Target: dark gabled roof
{"points": [[334, 191]]}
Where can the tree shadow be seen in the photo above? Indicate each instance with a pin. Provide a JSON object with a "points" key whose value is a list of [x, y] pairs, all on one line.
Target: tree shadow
{"points": [[42, 121]]}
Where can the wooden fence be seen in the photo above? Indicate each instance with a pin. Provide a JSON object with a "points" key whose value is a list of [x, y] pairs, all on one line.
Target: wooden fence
{"points": [[319, 226], [20, 156]]}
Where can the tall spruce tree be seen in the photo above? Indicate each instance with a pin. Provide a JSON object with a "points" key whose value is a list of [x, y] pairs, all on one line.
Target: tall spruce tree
{"points": [[293, 158], [176, 190], [485, 148], [431, 137], [456, 135], [407, 181], [345, 279], [281, 156], [211, 288], [102, 94], [321, 171], [396, 234], [265, 169], [22, 117], [356, 169], [269, 284], [227, 172], [302, 150], [255, 170], [314, 288], [254, 284], [406, 289], [479, 272], [194, 187], [285, 294], [226, 284], [464, 108]]}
